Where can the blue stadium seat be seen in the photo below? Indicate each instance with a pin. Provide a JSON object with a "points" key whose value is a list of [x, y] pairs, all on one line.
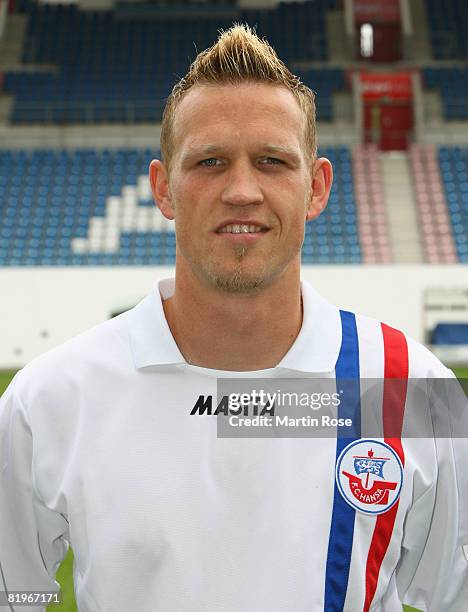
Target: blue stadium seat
{"points": [[100, 79], [453, 86], [453, 162], [39, 224], [448, 23]]}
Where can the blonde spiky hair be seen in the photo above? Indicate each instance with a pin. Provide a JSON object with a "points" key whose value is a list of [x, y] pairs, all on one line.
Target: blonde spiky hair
{"points": [[239, 55]]}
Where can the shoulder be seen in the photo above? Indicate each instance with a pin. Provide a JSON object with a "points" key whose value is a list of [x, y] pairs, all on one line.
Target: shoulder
{"points": [[382, 342], [101, 350], [424, 364]]}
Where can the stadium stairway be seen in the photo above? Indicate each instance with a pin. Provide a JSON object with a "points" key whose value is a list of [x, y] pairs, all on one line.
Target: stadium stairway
{"points": [[401, 207], [11, 49], [421, 44], [433, 107], [11, 43], [336, 36]]}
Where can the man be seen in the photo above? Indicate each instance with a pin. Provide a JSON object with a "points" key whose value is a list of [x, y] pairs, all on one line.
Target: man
{"points": [[106, 444]]}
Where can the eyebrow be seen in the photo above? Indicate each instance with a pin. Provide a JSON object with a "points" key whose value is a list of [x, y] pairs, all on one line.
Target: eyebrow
{"points": [[211, 149]]}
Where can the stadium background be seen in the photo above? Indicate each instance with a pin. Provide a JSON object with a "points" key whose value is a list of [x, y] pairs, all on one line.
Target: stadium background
{"points": [[82, 88]]}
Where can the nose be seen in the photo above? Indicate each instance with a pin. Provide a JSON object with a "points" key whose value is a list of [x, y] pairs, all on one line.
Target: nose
{"points": [[242, 187]]}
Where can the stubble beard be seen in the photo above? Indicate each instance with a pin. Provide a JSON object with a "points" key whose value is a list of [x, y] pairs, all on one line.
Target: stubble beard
{"points": [[235, 281], [238, 281]]}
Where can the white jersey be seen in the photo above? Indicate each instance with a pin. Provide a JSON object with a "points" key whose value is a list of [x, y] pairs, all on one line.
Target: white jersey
{"points": [[99, 449]]}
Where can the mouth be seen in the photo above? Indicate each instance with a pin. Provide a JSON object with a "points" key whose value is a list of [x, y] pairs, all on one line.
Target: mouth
{"points": [[238, 228], [242, 233]]}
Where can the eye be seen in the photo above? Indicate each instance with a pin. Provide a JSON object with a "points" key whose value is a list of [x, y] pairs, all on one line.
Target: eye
{"points": [[205, 163], [274, 160]]}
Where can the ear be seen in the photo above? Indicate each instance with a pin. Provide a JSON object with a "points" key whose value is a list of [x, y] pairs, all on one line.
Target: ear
{"points": [[322, 179], [159, 181]]}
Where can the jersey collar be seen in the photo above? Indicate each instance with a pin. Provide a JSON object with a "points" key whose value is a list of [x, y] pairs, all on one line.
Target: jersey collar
{"points": [[315, 349]]}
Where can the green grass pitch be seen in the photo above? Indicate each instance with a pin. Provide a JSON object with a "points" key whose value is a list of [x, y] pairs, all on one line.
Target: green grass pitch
{"points": [[65, 572]]}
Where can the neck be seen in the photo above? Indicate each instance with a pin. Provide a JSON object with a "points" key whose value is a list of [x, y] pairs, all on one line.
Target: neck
{"points": [[238, 332]]}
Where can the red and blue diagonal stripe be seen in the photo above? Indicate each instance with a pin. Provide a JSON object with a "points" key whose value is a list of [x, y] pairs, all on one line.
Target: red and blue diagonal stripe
{"points": [[396, 367], [396, 371], [340, 542]]}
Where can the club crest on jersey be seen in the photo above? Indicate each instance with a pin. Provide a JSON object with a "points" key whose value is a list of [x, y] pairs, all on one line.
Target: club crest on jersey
{"points": [[369, 475]]}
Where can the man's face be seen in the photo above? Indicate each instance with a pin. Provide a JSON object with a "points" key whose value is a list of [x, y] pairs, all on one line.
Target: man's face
{"points": [[240, 184]]}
